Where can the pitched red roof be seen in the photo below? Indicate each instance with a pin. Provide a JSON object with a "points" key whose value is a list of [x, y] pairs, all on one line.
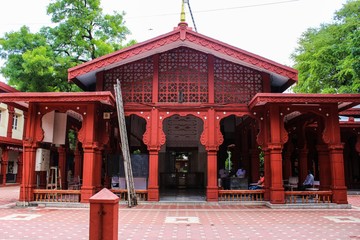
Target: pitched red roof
{"points": [[6, 88], [181, 36]]}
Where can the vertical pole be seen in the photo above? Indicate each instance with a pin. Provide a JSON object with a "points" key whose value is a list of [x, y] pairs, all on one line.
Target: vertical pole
{"points": [[275, 150], [62, 165], [153, 189], [4, 164], [336, 157], [132, 200], [212, 189], [324, 167], [303, 164], [20, 165]]}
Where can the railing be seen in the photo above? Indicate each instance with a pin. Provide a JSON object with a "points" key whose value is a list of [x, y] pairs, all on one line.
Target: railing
{"points": [[123, 194], [51, 195], [241, 195], [308, 196], [291, 197]]}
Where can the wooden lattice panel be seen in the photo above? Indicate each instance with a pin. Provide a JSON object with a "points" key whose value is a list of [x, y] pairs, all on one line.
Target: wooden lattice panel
{"points": [[183, 76], [136, 80], [182, 131], [235, 83]]}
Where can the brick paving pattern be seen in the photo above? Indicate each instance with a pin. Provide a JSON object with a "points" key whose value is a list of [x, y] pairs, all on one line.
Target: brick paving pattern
{"points": [[180, 221]]}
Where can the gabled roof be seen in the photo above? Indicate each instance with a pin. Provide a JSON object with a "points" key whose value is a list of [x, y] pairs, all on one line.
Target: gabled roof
{"points": [[6, 88], [182, 36]]}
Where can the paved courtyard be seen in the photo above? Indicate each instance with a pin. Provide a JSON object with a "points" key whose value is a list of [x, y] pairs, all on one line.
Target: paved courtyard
{"points": [[181, 221]]}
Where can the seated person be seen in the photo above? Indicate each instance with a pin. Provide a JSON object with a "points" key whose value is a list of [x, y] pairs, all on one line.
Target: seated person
{"points": [[260, 183], [309, 181], [223, 173], [241, 172]]}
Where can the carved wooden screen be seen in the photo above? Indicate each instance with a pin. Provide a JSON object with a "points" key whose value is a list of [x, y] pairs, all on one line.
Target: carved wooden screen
{"points": [[136, 80], [235, 83], [183, 76]]}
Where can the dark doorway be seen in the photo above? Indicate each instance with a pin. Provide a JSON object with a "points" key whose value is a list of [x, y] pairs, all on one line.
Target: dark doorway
{"points": [[181, 180], [182, 160]]}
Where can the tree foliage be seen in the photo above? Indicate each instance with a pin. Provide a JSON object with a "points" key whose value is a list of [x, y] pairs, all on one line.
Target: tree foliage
{"points": [[39, 61], [328, 57]]}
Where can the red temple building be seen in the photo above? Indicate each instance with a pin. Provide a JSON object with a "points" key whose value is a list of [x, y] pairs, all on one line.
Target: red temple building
{"points": [[188, 100]]}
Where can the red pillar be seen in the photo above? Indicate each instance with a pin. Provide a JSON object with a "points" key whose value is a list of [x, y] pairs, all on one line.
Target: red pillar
{"points": [[303, 165], [212, 188], [267, 174], [211, 126], [33, 134], [337, 174], [287, 161], [324, 167], [335, 147], [77, 165], [62, 165], [4, 164], [255, 165], [153, 188], [29, 177], [153, 147], [20, 168], [88, 186], [275, 148], [11, 112], [98, 166], [276, 185], [87, 135]]}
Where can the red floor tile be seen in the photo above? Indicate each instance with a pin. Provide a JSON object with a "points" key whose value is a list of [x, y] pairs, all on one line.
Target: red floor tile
{"points": [[174, 221]]}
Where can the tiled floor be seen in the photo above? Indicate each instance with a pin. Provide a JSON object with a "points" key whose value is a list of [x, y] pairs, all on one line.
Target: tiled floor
{"points": [[182, 221]]}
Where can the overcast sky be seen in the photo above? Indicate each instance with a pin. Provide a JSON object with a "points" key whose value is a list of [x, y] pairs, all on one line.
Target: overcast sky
{"points": [[269, 28]]}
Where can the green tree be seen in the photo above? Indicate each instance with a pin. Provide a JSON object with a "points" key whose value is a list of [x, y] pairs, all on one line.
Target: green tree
{"points": [[328, 57], [39, 61]]}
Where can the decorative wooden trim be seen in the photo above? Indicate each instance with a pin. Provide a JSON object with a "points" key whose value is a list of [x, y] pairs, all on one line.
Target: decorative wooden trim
{"points": [[183, 37], [59, 97], [305, 99]]}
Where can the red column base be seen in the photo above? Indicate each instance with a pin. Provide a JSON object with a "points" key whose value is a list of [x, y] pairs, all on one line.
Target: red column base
{"points": [[26, 193], [277, 196], [153, 194], [339, 195], [87, 193], [212, 194], [266, 194]]}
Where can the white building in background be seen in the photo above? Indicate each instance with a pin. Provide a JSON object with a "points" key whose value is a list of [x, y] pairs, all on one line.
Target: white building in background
{"points": [[12, 125]]}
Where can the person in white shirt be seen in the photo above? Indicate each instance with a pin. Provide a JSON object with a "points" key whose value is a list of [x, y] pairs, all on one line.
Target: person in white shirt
{"points": [[309, 181]]}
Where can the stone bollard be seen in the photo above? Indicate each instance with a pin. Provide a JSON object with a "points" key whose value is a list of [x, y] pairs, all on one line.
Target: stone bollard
{"points": [[104, 213]]}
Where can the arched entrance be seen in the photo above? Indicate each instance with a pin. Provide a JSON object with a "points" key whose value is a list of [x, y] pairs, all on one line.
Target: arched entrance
{"points": [[239, 134], [182, 160]]}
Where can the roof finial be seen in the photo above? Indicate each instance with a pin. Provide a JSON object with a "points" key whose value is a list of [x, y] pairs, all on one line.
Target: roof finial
{"points": [[182, 15]]}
